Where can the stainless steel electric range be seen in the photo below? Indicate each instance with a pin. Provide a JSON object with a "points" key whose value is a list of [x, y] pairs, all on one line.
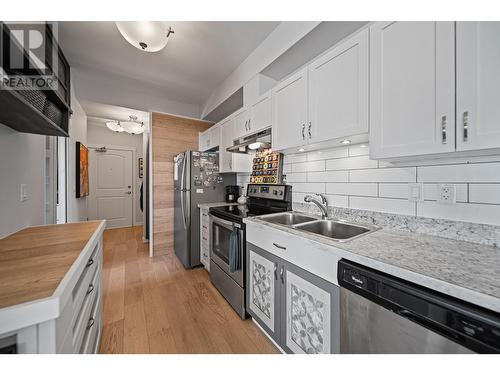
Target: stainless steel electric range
{"points": [[228, 238]]}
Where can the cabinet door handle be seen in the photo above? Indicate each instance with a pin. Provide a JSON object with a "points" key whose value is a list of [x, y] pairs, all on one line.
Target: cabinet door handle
{"points": [[91, 323], [231, 163], [246, 125], [249, 122], [275, 271], [282, 274], [309, 129], [443, 129], [465, 121], [90, 262], [279, 246], [303, 132], [90, 289]]}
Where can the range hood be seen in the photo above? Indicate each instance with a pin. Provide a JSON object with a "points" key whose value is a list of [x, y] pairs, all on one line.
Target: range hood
{"points": [[252, 143]]}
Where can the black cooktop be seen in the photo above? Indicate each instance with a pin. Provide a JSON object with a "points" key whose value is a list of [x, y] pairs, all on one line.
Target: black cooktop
{"points": [[262, 199], [239, 212]]}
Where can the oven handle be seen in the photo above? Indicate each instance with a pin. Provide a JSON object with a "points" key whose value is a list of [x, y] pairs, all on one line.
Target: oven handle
{"points": [[225, 223]]}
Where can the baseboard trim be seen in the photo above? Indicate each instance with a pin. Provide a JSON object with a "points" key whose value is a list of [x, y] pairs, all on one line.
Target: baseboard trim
{"points": [[269, 337]]}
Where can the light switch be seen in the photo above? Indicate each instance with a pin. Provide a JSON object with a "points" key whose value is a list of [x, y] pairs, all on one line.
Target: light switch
{"points": [[416, 192], [24, 192]]}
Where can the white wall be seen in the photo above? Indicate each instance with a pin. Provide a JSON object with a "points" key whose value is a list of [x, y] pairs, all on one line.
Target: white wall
{"points": [[281, 39], [352, 180], [77, 207], [102, 136], [21, 162]]}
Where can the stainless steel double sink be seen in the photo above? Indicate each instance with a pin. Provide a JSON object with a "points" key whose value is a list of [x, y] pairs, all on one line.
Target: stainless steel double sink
{"points": [[334, 229]]}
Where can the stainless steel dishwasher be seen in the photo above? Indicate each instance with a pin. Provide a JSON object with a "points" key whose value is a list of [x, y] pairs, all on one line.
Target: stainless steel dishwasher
{"points": [[383, 314]]}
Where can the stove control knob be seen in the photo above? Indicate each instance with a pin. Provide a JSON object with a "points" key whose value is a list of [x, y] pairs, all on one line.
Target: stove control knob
{"points": [[281, 192], [275, 192]]}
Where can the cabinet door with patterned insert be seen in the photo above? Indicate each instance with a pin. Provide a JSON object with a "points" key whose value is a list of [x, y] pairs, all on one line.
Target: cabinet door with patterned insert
{"points": [[263, 294], [310, 313]]}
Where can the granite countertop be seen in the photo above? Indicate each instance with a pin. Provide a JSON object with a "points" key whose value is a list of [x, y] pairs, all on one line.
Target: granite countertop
{"points": [[216, 204], [473, 268]]}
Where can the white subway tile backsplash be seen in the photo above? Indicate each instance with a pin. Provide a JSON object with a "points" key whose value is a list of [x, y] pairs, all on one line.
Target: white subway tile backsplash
{"points": [[358, 150], [431, 192], [482, 172], [287, 168], [308, 187], [351, 180], [355, 162], [331, 176], [384, 175], [394, 206], [296, 177], [338, 200], [334, 153], [393, 191], [484, 193], [470, 212], [295, 158], [310, 166], [362, 189]]}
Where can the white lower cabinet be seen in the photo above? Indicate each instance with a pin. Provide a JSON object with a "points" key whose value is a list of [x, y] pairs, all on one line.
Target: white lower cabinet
{"points": [[205, 238], [299, 310]]}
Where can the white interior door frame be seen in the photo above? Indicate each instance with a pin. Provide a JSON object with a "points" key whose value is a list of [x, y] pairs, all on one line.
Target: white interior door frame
{"points": [[134, 172]]}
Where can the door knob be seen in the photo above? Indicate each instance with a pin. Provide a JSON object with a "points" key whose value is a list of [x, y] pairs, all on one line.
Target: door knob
{"points": [[128, 192]]}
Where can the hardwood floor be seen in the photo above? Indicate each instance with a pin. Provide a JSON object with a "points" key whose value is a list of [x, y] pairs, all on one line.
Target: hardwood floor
{"points": [[154, 305]]}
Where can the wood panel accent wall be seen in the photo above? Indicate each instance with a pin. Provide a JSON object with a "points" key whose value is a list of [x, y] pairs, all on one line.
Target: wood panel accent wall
{"points": [[170, 136]]}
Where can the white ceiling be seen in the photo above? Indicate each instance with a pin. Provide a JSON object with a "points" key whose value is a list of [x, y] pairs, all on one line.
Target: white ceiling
{"points": [[98, 113], [197, 58]]}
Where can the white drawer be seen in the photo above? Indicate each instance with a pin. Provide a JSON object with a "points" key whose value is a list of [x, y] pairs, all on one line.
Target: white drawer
{"points": [[79, 327], [90, 342], [314, 257]]}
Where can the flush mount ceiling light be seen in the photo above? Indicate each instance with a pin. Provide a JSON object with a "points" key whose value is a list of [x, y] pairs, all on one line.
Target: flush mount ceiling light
{"points": [[149, 36], [114, 126], [132, 126]]}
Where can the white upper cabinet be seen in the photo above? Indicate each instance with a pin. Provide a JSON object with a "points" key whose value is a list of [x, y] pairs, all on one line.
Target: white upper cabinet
{"points": [[412, 93], [241, 120], [215, 134], [261, 117], [230, 161], [225, 157], [478, 85], [204, 141], [289, 103], [338, 91], [209, 139]]}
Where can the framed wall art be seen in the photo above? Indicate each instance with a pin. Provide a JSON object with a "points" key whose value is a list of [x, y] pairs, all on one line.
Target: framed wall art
{"points": [[82, 170]]}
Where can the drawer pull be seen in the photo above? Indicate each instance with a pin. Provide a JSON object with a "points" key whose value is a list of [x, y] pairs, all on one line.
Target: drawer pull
{"points": [[90, 262], [91, 289], [91, 323], [279, 246]]}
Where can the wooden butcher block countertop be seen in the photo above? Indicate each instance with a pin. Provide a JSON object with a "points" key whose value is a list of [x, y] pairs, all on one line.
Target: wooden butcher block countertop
{"points": [[34, 260]]}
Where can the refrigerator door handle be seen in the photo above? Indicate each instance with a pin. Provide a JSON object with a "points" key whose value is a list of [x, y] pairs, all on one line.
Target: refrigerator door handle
{"points": [[187, 213], [183, 173]]}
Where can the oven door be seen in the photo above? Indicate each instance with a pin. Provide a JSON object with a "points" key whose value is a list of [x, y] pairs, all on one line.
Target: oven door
{"points": [[220, 232]]}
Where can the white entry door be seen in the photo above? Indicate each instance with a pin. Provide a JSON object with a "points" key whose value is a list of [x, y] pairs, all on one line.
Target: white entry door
{"points": [[111, 193]]}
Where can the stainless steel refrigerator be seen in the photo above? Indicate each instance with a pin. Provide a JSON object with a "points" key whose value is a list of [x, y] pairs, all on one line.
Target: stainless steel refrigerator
{"points": [[196, 180]]}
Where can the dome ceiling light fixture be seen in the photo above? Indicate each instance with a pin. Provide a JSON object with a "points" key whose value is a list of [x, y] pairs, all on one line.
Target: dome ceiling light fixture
{"points": [[148, 36], [133, 126], [114, 126]]}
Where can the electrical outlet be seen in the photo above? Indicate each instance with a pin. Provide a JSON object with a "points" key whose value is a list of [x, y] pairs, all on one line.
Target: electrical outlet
{"points": [[24, 192], [447, 194], [416, 192]]}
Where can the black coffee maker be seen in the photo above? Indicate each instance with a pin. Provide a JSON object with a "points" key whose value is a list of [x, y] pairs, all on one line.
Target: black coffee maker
{"points": [[232, 193]]}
